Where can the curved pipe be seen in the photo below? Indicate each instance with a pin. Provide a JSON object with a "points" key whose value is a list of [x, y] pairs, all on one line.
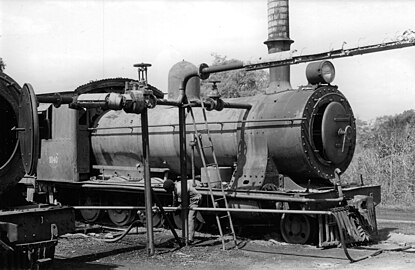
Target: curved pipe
{"points": [[182, 89]]}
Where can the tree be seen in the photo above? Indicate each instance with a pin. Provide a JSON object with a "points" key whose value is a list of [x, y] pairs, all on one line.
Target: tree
{"points": [[387, 157], [2, 65], [236, 83]]}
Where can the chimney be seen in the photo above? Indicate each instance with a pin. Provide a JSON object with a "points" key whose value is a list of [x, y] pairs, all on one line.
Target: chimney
{"points": [[278, 41]]}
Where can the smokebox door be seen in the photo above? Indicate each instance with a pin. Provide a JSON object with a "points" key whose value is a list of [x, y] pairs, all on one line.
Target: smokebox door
{"points": [[28, 130], [336, 129]]}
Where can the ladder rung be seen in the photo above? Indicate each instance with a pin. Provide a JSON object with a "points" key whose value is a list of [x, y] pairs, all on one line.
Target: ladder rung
{"points": [[220, 199], [225, 216]]}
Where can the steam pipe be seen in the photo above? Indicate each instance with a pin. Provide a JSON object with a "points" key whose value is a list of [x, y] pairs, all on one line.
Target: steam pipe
{"points": [[147, 182], [57, 99], [183, 166]]}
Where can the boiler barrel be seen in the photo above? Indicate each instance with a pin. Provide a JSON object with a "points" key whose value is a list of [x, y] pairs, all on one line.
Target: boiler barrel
{"points": [[307, 133]]}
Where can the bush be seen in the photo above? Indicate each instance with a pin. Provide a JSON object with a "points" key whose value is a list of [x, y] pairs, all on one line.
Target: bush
{"points": [[386, 155]]}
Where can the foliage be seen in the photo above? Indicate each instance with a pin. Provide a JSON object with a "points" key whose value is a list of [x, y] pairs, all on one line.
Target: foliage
{"points": [[386, 156], [236, 83], [2, 64]]}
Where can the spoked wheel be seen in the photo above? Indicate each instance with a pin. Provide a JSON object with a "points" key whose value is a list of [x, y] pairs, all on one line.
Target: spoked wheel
{"points": [[121, 217], [295, 229], [177, 218], [91, 215]]}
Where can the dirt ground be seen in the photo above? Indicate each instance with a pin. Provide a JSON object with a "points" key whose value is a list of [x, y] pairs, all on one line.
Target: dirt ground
{"points": [[88, 251]]}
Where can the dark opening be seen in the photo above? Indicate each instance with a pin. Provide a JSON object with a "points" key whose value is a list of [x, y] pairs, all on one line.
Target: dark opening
{"points": [[8, 138]]}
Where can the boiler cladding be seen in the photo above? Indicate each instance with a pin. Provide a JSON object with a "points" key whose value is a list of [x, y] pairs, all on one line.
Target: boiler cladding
{"points": [[307, 133]]}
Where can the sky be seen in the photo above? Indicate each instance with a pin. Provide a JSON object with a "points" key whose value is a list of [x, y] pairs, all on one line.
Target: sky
{"points": [[59, 45]]}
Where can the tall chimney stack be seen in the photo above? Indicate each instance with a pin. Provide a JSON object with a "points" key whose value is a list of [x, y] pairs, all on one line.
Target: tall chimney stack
{"points": [[278, 41]]}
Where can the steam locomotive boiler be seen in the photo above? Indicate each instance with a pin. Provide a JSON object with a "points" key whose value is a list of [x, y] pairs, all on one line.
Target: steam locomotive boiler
{"points": [[280, 150]]}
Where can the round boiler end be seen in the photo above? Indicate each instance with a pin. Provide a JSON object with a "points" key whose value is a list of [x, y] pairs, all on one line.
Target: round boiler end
{"points": [[176, 75]]}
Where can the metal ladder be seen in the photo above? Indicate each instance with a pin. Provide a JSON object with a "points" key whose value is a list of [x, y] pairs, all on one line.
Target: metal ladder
{"points": [[220, 215]]}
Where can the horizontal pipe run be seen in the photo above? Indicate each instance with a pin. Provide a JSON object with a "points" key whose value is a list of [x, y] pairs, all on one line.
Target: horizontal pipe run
{"points": [[230, 105], [264, 211], [222, 68], [227, 105], [212, 123], [168, 102], [55, 98], [208, 209], [285, 58], [272, 197]]}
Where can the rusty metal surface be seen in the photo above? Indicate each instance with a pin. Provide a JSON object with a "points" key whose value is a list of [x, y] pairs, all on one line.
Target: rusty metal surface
{"points": [[294, 146]]}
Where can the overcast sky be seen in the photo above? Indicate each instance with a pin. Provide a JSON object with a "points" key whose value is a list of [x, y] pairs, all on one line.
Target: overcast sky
{"points": [[59, 45]]}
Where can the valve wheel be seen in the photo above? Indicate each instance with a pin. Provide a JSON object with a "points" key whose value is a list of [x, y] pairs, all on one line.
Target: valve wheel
{"points": [[295, 228], [91, 215]]}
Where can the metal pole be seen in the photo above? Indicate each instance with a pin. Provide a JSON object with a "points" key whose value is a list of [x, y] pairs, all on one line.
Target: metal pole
{"points": [[183, 169], [147, 183]]}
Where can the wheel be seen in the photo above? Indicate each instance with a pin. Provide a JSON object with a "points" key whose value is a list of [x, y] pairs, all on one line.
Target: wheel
{"points": [[177, 218], [295, 228], [90, 215], [121, 217], [158, 219]]}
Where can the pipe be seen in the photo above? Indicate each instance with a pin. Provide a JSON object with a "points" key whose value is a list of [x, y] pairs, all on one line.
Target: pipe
{"points": [[183, 169], [266, 211], [205, 70], [57, 99], [147, 182], [211, 123], [168, 102], [182, 89], [228, 105]]}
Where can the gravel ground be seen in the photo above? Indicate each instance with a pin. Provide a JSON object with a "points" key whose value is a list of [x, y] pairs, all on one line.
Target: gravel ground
{"points": [[88, 251]]}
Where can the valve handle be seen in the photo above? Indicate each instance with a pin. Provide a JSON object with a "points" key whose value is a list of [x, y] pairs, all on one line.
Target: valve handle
{"points": [[345, 134]]}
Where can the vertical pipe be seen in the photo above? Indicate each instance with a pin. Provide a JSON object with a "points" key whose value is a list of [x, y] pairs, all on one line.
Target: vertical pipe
{"points": [[147, 182], [183, 170], [278, 41]]}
